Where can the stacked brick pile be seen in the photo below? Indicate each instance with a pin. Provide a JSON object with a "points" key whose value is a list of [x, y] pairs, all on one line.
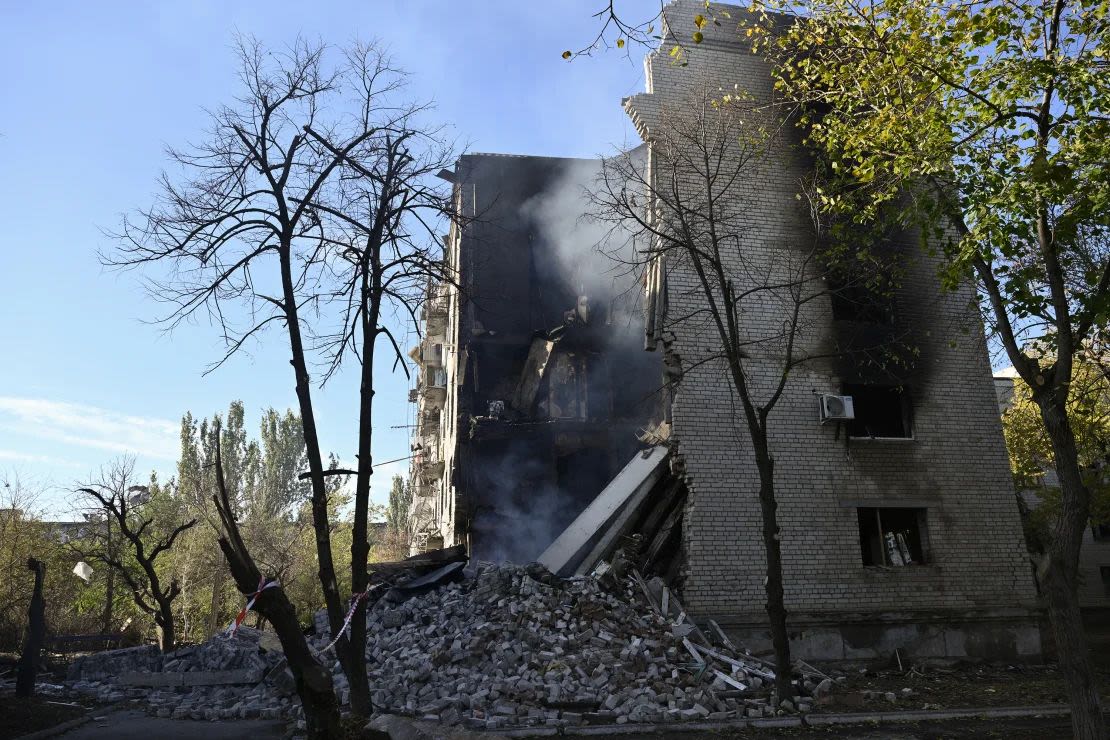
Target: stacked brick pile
{"points": [[516, 646], [506, 646], [224, 678]]}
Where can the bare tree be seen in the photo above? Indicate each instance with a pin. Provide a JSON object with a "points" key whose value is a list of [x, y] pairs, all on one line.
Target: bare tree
{"points": [[312, 679], [143, 540], [749, 303], [311, 205]]}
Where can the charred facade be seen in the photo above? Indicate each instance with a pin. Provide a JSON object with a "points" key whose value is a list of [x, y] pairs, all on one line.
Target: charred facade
{"points": [[533, 383]]}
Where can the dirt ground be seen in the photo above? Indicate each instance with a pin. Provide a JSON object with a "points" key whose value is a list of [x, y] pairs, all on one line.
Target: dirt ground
{"points": [[956, 687], [24, 716], [994, 729]]}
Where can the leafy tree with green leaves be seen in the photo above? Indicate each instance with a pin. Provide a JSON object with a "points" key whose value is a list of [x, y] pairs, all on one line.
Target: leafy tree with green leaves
{"points": [[395, 541], [204, 578], [22, 535], [282, 459], [1032, 457], [400, 501], [991, 122], [262, 478]]}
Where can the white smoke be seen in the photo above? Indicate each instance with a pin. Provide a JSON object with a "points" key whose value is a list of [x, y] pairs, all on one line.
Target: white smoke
{"points": [[593, 254]]}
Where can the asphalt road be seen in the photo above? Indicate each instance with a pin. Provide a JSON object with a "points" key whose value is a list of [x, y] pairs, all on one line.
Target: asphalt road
{"points": [[131, 724]]}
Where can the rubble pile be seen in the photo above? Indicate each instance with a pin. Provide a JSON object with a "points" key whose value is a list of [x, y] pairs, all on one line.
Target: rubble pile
{"points": [[100, 666], [241, 652], [224, 678], [516, 646], [491, 646]]}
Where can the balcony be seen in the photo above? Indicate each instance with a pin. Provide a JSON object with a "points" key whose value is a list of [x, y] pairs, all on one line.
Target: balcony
{"points": [[431, 470], [436, 301], [434, 396], [436, 324], [428, 421], [433, 388], [432, 350]]}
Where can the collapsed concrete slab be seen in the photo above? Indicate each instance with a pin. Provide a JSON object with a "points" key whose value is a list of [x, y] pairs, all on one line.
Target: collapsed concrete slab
{"points": [[593, 534], [223, 678]]}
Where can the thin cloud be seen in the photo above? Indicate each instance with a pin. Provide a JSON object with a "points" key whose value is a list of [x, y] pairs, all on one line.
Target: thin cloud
{"points": [[90, 426], [27, 457]]}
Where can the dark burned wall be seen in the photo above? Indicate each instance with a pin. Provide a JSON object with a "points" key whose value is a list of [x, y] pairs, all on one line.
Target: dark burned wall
{"points": [[512, 292], [523, 475]]}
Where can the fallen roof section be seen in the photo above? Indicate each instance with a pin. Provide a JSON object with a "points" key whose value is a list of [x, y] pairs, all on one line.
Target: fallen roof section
{"points": [[592, 536]]}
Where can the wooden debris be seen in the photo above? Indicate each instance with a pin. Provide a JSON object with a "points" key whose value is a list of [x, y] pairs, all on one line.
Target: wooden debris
{"points": [[742, 665]]}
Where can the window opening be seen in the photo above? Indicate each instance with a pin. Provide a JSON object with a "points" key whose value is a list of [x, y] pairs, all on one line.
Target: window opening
{"points": [[892, 536], [881, 411], [860, 302]]}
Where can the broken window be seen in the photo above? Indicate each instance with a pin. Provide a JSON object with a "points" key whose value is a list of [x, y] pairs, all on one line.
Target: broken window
{"points": [[863, 290], [860, 303], [435, 377], [568, 391], [880, 411], [892, 536], [1100, 531]]}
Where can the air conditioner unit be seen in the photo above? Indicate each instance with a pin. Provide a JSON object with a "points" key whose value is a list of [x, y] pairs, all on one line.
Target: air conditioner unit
{"points": [[836, 408]]}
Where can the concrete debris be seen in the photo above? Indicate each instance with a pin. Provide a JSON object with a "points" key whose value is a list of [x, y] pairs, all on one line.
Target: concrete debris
{"points": [[497, 647], [393, 727], [224, 678], [515, 646], [99, 666]]}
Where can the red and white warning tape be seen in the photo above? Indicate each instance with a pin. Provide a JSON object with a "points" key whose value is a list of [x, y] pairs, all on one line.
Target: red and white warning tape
{"points": [[262, 586], [346, 622]]}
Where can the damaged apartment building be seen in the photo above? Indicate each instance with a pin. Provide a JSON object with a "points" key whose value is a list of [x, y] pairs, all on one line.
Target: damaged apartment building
{"points": [[546, 430], [533, 381]]}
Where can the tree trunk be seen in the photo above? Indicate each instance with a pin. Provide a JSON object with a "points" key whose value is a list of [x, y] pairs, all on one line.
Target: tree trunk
{"points": [[360, 546], [320, 524], [1060, 575], [164, 622], [312, 680], [776, 606], [36, 633]]}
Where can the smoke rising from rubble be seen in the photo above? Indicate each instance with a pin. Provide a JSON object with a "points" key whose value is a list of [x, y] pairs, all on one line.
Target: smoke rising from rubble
{"points": [[520, 519]]}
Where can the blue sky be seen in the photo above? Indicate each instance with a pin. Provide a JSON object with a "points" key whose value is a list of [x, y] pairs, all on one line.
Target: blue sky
{"points": [[93, 93]]}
